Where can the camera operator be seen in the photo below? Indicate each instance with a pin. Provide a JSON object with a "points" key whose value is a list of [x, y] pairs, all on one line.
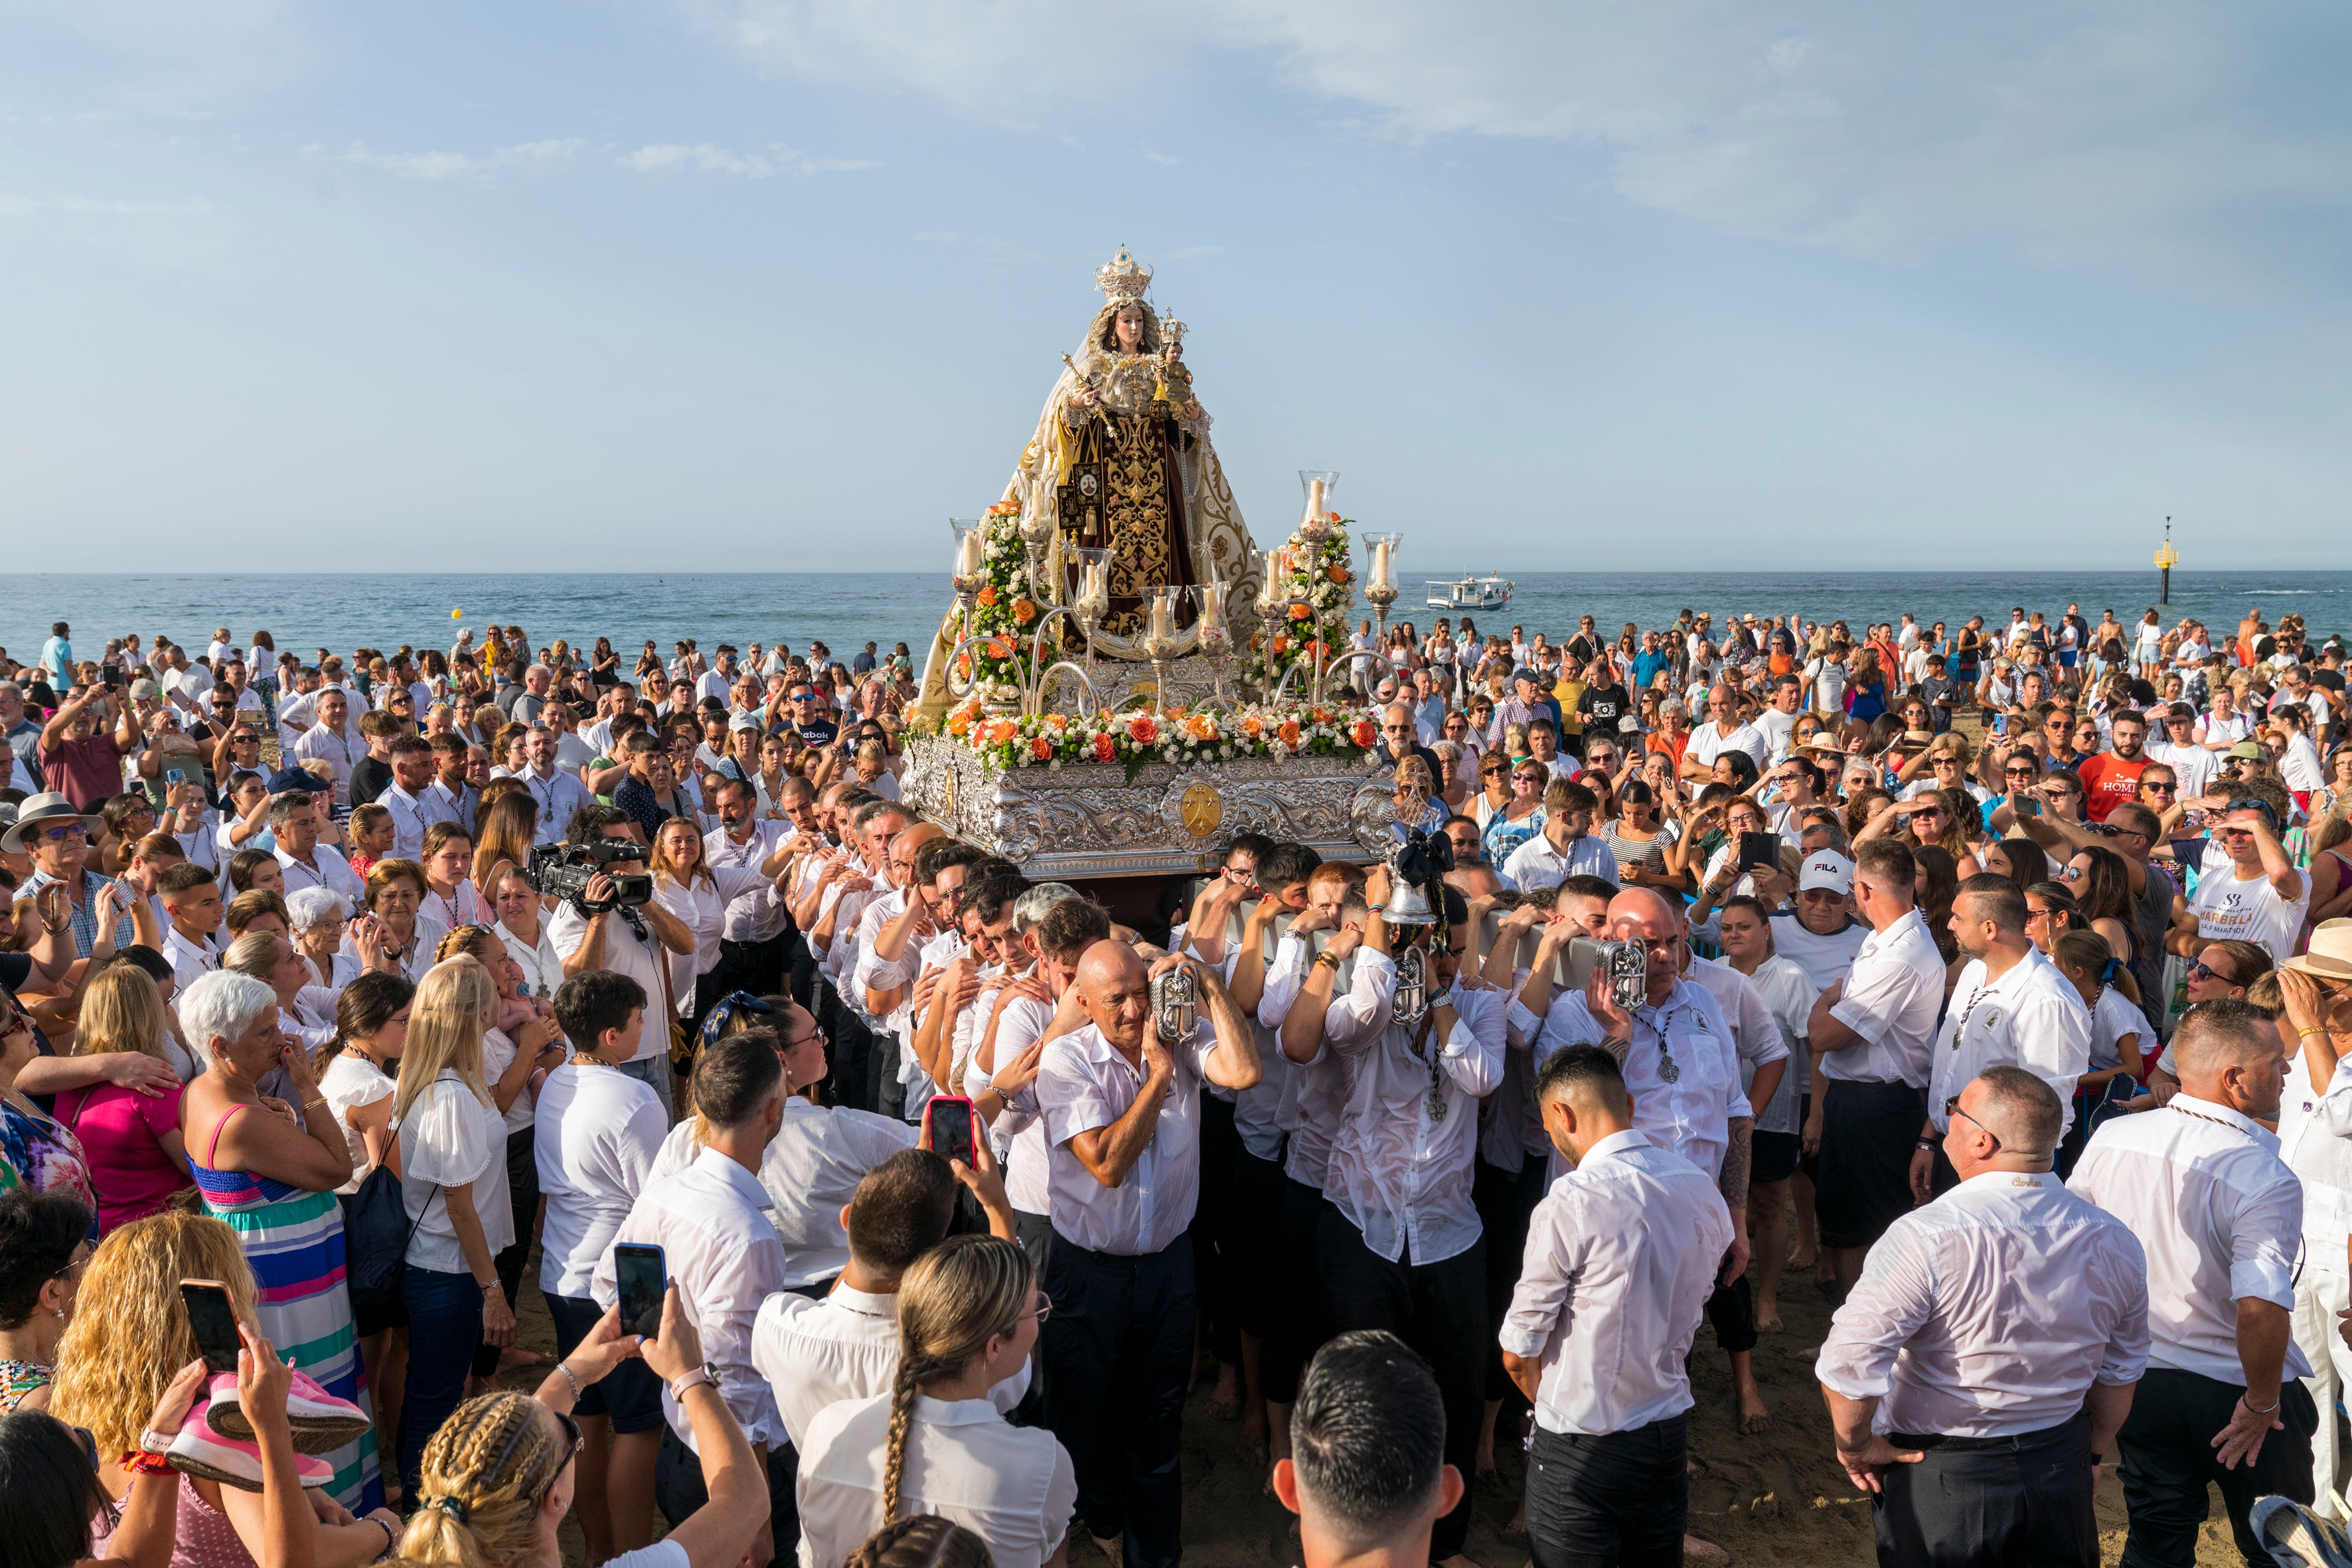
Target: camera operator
{"points": [[623, 940]]}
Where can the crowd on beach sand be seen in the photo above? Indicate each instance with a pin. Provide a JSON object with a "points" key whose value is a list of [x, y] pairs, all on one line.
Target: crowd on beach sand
{"points": [[1998, 978]]}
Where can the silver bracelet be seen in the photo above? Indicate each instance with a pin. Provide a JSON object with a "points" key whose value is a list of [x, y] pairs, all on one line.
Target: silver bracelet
{"points": [[2266, 1409], [565, 1369]]}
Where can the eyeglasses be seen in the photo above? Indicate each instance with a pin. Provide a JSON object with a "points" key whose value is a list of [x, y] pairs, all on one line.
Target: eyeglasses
{"points": [[1044, 1310], [2200, 970], [70, 830], [1952, 1108]]}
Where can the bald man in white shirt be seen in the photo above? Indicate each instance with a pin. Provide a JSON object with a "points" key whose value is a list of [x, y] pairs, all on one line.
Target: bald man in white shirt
{"points": [[1981, 1366]]}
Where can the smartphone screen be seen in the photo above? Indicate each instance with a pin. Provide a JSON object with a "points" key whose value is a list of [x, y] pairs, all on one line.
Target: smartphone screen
{"points": [[2000, 724], [642, 1277], [213, 1321], [176, 775], [1758, 849], [948, 1118]]}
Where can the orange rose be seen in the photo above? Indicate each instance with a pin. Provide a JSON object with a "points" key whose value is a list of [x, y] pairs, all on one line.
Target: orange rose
{"points": [[1288, 732], [1253, 726], [1025, 611], [964, 665], [1321, 715], [1142, 731], [1057, 722], [998, 648], [1337, 572], [1000, 730], [960, 722], [1042, 749], [1362, 732], [1106, 749], [1280, 647], [1301, 613], [1200, 727]]}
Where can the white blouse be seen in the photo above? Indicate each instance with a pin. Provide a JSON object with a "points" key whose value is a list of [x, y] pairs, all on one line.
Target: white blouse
{"points": [[450, 1138]]}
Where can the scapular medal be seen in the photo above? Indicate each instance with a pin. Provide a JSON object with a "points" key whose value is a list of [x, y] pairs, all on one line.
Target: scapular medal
{"points": [[1436, 1073]]}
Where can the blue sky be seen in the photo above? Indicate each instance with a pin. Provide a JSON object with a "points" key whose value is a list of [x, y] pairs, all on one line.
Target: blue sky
{"points": [[782, 285]]}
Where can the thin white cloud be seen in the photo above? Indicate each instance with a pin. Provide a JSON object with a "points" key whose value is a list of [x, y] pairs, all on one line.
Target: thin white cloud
{"points": [[1165, 160], [772, 161], [2208, 139], [522, 158]]}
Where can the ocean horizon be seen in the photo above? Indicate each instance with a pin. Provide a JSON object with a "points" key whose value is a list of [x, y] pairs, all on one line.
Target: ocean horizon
{"points": [[307, 611]]}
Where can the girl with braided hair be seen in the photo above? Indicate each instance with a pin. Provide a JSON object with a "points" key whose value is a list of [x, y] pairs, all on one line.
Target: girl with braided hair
{"points": [[969, 1312], [497, 1479], [926, 1540]]}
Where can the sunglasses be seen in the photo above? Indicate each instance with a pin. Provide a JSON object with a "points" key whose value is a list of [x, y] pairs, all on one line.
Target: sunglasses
{"points": [[2200, 970], [1952, 1108]]}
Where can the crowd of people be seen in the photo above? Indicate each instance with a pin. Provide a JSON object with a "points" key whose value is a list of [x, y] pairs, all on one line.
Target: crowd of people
{"points": [[1997, 980]]}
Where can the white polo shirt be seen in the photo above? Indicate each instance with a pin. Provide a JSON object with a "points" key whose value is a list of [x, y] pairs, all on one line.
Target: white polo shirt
{"points": [[594, 1141], [1891, 1000], [2032, 1018], [1536, 865], [1708, 743]]}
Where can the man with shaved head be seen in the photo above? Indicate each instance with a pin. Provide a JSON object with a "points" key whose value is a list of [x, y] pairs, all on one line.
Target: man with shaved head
{"points": [[2201, 1183], [1122, 1112], [1682, 1062], [1987, 1356]]}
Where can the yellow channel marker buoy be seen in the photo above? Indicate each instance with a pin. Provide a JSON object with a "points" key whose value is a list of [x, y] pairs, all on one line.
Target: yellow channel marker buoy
{"points": [[454, 614]]}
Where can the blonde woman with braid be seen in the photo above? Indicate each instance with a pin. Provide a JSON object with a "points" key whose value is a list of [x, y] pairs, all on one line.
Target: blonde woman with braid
{"points": [[969, 1312], [498, 1477]]}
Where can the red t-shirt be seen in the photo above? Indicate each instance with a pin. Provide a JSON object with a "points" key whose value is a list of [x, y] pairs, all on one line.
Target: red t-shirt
{"points": [[2109, 781], [85, 772]]}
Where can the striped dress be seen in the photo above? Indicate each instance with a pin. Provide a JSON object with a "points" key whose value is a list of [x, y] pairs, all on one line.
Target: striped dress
{"points": [[293, 1241]]}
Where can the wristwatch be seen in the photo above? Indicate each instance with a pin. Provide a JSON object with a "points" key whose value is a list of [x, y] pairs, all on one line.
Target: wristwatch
{"points": [[701, 1374]]}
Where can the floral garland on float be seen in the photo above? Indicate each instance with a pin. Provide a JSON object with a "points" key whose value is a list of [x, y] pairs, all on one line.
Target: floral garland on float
{"points": [[1005, 609], [1137, 739], [1308, 586]]}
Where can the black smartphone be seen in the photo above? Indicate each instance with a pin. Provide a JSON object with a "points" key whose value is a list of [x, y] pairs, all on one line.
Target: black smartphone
{"points": [[947, 1120], [113, 678], [2025, 805], [1759, 849], [213, 1321], [642, 1277]]}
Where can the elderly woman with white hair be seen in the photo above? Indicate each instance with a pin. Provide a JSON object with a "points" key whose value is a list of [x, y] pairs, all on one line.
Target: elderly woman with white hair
{"points": [[269, 1171], [317, 915]]}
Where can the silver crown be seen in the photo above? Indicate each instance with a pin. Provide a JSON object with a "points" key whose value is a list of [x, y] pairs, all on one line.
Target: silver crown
{"points": [[1122, 277]]}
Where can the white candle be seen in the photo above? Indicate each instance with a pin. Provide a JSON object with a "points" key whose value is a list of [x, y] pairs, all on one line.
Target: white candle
{"points": [[1163, 624], [968, 555], [1212, 604], [1315, 498], [1380, 564]]}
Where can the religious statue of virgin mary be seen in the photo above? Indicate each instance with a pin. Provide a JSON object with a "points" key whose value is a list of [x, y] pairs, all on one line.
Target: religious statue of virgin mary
{"points": [[1122, 461]]}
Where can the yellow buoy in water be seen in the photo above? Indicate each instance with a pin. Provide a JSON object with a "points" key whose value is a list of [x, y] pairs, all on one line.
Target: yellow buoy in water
{"points": [[454, 614]]}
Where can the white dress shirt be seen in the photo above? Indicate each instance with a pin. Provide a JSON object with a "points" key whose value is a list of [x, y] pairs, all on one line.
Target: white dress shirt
{"points": [[442, 803], [1314, 1095], [1536, 865], [1020, 1127], [710, 1220], [328, 869], [810, 1169], [1084, 1083], [1012, 1486], [1621, 1257], [340, 752], [556, 795], [1400, 1175], [815, 1353], [1688, 1111], [1891, 1000], [2221, 1217], [410, 817], [2315, 1133], [2032, 1018], [701, 905], [758, 914], [1991, 1312], [595, 1146]]}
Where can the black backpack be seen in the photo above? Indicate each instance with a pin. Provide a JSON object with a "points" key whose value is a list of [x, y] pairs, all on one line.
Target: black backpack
{"points": [[377, 1232]]}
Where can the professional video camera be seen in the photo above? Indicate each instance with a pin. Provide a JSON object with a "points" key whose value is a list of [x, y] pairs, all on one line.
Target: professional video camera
{"points": [[564, 871]]}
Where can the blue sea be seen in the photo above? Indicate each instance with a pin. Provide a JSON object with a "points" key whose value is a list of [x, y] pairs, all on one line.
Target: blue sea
{"points": [[845, 610]]}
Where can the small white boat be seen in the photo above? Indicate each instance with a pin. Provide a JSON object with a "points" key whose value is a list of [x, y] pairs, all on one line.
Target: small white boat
{"points": [[1488, 593]]}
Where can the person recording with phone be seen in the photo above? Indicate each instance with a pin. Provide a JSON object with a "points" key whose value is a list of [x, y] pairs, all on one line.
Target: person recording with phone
{"points": [[720, 1248]]}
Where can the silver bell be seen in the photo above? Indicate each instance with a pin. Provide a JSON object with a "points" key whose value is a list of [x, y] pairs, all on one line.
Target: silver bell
{"points": [[1407, 906]]}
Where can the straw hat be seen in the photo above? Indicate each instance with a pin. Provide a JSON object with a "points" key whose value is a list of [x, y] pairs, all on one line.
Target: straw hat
{"points": [[2330, 957], [45, 811]]}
